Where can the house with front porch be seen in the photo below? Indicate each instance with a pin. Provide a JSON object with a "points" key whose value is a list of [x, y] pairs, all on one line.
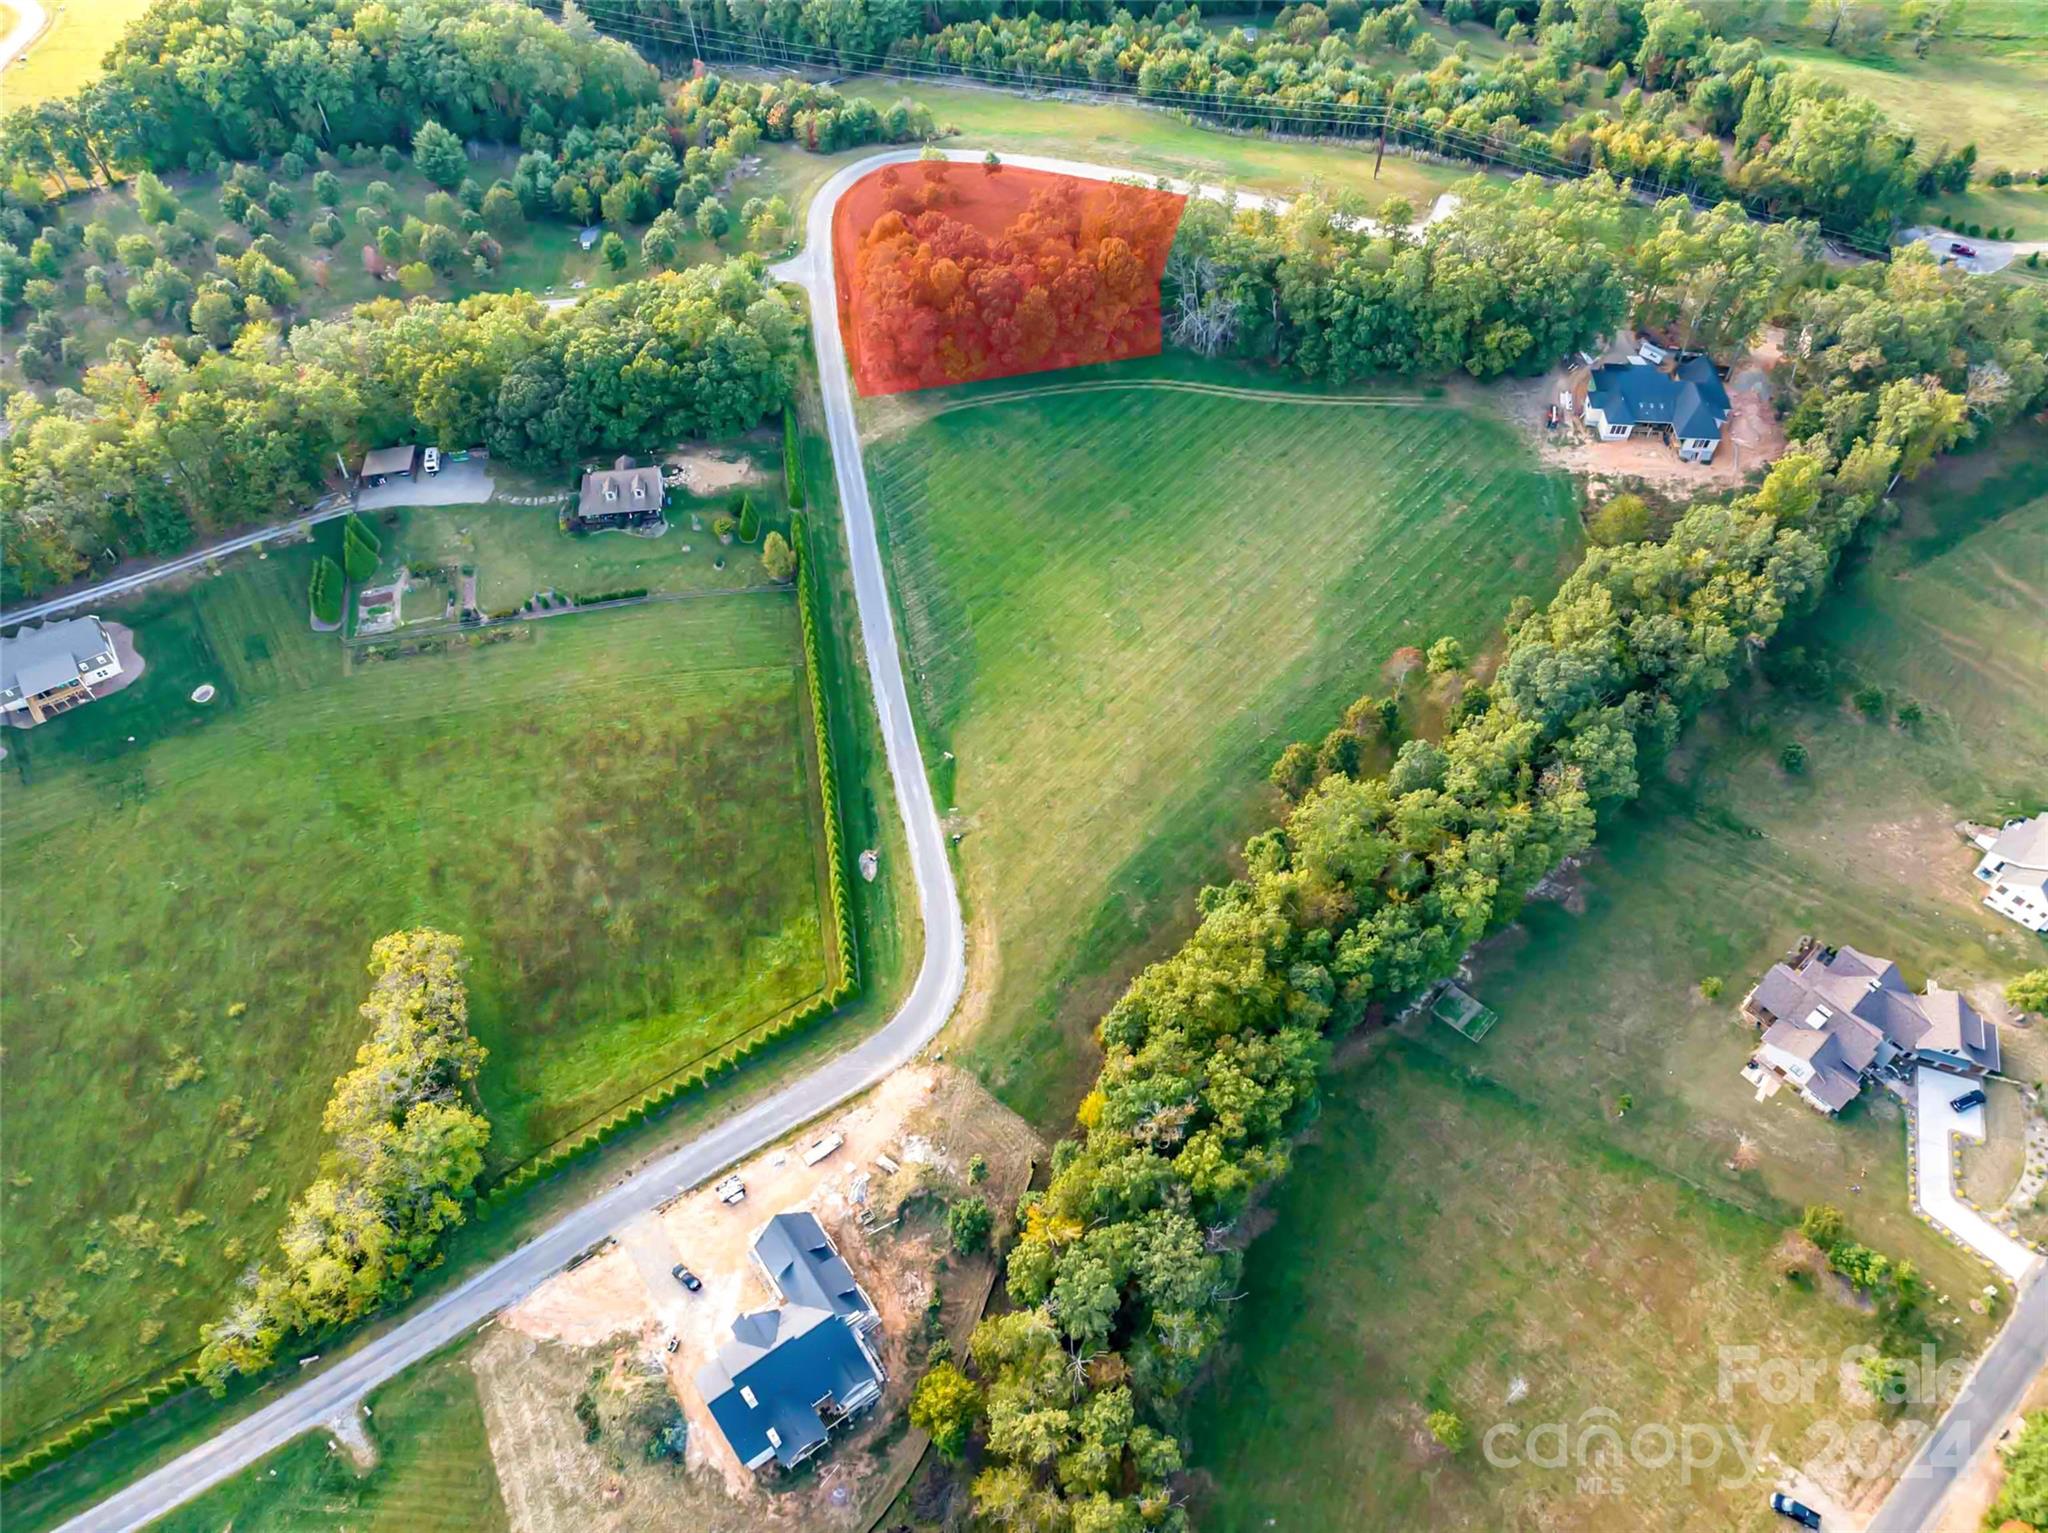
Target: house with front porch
{"points": [[1833, 1018]]}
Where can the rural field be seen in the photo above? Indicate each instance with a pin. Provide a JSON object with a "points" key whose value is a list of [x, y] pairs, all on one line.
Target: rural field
{"points": [[1110, 644], [616, 810], [433, 1472], [1645, 1184], [68, 53], [1153, 141]]}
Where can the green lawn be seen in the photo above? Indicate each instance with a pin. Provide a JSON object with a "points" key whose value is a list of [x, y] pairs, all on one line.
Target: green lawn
{"points": [[433, 1469], [1103, 133], [1462, 1215], [1986, 91], [518, 551], [2023, 209], [1116, 639], [613, 808], [67, 55], [1439, 1242]]}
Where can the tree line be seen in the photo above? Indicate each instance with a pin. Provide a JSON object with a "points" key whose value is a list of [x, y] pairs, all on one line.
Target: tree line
{"points": [[192, 84], [1706, 112], [1372, 887], [408, 1147], [156, 449]]}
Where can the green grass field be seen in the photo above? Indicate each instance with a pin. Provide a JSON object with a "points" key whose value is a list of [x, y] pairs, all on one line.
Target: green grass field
{"points": [[2023, 209], [517, 551], [1116, 638], [1463, 1215], [433, 1472], [615, 809], [1104, 133], [67, 55], [1992, 92]]}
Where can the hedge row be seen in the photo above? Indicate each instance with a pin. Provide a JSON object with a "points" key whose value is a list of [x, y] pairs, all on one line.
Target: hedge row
{"points": [[359, 548], [828, 773], [666, 1095], [648, 1106], [792, 459], [95, 1427], [592, 598]]}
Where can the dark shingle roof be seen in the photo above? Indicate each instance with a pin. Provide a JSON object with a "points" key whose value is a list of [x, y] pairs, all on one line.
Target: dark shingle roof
{"points": [[788, 1360], [799, 1259], [1693, 404]]}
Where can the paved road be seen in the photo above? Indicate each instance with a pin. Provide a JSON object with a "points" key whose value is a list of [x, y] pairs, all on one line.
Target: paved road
{"points": [[324, 510], [1991, 1395], [939, 980], [29, 21]]}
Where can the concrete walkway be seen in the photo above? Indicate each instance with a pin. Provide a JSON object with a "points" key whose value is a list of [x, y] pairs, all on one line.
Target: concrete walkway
{"points": [[1936, 1123]]}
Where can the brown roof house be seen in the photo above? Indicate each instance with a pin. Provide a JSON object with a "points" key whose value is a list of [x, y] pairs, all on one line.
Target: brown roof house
{"points": [[1833, 1017], [619, 496]]}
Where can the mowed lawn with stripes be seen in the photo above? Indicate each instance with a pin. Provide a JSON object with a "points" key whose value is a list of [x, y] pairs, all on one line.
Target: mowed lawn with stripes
{"points": [[1121, 603], [614, 809]]}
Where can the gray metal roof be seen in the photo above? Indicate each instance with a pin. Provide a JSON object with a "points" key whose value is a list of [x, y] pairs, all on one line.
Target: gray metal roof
{"points": [[48, 655], [800, 1260], [790, 1360], [388, 460]]}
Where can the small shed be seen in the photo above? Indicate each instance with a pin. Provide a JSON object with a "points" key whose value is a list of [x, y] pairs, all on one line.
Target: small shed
{"points": [[587, 238]]}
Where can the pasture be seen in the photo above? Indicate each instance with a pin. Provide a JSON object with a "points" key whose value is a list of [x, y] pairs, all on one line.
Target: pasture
{"points": [[1156, 143], [1988, 90], [1585, 1200], [433, 1473], [1114, 640], [69, 52], [615, 809]]}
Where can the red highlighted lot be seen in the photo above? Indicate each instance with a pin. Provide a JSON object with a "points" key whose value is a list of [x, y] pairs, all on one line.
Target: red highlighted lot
{"points": [[950, 273]]}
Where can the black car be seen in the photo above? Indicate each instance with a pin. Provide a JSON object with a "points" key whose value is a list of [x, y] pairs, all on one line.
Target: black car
{"points": [[1968, 1100], [686, 1277], [1798, 1511]]}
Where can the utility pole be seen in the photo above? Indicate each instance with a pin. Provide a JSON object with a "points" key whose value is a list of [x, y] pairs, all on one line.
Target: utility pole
{"points": [[1382, 154]]}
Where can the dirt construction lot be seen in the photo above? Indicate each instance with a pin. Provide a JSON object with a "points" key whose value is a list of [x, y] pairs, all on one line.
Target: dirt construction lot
{"points": [[615, 1313]]}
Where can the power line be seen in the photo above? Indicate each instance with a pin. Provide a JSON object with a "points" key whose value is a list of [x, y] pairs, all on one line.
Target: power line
{"points": [[1337, 118]]}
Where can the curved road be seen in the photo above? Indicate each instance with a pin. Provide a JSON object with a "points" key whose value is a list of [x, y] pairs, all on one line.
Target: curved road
{"points": [[940, 978], [337, 1389]]}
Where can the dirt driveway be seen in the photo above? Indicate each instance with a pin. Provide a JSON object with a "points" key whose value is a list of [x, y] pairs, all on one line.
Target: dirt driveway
{"points": [[927, 1121]]}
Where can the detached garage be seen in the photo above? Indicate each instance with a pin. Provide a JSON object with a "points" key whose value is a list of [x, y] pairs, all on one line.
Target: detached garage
{"points": [[389, 463]]}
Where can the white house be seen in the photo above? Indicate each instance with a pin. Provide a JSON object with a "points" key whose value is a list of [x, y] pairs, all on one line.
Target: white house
{"points": [[50, 667], [2015, 867]]}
